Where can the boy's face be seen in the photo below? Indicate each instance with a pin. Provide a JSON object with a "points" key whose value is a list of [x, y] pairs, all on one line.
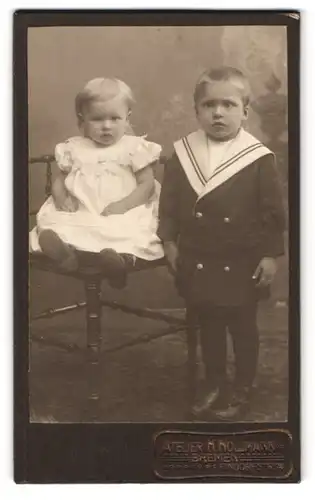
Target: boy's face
{"points": [[105, 122], [220, 110]]}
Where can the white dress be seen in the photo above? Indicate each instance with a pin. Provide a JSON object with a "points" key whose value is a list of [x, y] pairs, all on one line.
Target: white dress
{"points": [[96, 177]]}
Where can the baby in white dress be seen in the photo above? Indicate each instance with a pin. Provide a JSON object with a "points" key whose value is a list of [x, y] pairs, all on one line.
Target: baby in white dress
{"points": [[105, 198]]}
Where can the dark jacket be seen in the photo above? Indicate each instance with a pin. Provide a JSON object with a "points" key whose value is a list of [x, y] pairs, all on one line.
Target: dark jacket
{"points": [[223, 236]]}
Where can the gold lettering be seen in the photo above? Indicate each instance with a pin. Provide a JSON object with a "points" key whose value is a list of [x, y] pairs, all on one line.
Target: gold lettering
{"points": [[211, 446], [194, 447], [222, 446], [179, 446], [167, 446], [230, 446]]}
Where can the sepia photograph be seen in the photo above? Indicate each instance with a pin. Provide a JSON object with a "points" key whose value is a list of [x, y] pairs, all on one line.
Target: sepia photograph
{"points": [[158, 224]]}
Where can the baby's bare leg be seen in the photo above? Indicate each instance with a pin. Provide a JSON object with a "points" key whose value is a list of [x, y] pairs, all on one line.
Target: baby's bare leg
{"points": [[57, 250]]}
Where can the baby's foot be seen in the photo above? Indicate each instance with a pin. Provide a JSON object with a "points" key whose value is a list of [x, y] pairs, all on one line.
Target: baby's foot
{"points": [[114, 267], [56, 249]]}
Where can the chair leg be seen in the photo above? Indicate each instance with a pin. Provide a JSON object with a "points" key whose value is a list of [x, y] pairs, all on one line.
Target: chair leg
{"points": [[94, 343], [191, 332]]}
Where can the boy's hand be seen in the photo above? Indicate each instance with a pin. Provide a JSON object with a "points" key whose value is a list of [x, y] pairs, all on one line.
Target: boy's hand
{"points": [[171, 254], [117, 207], [265, 271]]}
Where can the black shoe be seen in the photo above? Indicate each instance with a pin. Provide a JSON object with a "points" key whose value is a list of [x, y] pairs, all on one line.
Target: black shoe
{"points": [[113, 266], [238, 406], [213, 399], [222, 400]]}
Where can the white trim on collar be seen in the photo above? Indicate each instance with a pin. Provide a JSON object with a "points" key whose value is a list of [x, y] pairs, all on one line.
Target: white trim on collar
{"points": [[192, 153]]}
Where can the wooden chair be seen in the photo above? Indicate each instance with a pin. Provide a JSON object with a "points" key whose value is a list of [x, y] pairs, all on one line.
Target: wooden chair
{"points": [[91, 277]]}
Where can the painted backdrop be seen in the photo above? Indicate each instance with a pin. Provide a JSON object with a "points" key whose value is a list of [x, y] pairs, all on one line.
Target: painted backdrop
{"points": [[161, 65]]}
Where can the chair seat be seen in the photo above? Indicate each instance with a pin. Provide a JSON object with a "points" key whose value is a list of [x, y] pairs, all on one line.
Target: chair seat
{"points": [[88, 265]]}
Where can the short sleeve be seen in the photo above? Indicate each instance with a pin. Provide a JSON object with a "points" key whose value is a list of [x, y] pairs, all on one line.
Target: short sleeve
{"points": [[145, 152], [63, 157]]}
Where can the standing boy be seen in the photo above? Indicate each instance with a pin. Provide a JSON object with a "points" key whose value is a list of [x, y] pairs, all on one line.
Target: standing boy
{"points": [[222, 223]]}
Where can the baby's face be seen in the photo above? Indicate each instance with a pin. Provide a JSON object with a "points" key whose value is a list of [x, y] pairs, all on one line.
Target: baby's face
{"points": [[220, 110], [105, 122]]}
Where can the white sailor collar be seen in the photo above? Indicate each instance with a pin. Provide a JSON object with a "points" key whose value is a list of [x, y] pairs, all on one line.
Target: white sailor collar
{"points": [[192, 152]]}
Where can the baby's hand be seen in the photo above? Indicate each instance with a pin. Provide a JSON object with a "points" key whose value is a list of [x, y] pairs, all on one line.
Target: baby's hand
{"points": [[117, 207], [67, 204], [171, 254]]}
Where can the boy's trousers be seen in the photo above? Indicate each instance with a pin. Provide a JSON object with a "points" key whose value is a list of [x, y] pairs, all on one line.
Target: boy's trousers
{"points": [[215, 322]]}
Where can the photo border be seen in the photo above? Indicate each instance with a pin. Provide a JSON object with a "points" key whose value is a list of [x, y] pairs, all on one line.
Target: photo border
{"points": [[124, 452]]}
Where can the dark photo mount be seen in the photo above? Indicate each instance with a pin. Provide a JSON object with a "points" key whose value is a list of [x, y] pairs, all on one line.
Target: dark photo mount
{"points": [[86, 448]]}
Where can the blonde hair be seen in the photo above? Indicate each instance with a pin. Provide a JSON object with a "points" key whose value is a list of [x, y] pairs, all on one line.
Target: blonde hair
{"points": [[223, 73], [102, 89]]}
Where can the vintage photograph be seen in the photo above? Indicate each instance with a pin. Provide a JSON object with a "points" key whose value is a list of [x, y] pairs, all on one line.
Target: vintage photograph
{"points": [[158, 223]]}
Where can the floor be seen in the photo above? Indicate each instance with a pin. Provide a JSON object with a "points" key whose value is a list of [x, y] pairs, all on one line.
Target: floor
{"points": [[145, 382]]}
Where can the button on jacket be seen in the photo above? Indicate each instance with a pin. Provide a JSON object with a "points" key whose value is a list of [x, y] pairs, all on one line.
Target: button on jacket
{"points": [[223, 235]]}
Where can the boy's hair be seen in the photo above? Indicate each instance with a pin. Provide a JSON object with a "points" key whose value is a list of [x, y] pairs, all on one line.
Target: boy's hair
{"points": [[102, 89], [223, 74]]}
